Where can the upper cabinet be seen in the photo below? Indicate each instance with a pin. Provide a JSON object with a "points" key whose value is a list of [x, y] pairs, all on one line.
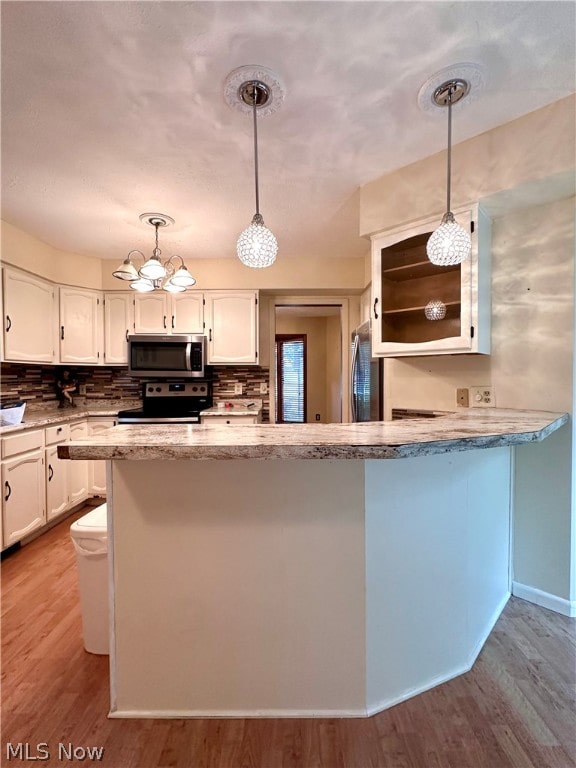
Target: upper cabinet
{"points": [[169, 313], [29, 318], [118, 324], [80, 326], [231, 319], [404, 281]]}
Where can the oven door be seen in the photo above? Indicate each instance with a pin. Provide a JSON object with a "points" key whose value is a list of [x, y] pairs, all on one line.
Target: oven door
{"points": [[183, 356]]}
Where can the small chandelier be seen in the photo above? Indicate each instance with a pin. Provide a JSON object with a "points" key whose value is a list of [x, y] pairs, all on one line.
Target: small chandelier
{"points": [[256, 246], [155, 274], [450, 243], [435, 310]]}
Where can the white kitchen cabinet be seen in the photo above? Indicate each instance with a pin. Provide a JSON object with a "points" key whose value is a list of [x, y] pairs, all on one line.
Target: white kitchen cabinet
{"points": [[23, 485], [57, 496], [97, 469], [118, 324], [78, 471], [404, 281], [231, 319], [166, 313], [224, 420], [80, 326], [29, 314]]}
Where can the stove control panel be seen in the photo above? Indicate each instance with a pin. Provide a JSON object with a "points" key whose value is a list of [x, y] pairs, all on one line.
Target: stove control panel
{"points": [[175, 389]]}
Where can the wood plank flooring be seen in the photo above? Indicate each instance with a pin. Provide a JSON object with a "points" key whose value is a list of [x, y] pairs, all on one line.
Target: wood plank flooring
{"points": [[515, 709]]}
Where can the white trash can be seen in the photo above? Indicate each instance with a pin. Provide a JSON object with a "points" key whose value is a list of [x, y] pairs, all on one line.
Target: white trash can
{"points": [[90, 537]]}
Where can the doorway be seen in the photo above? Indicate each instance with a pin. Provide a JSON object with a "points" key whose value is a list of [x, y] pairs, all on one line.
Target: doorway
{"points": [[323, 380]]}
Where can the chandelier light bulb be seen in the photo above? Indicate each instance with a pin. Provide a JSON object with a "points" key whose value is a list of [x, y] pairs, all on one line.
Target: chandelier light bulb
{"points": [[257, 247], [449, 244], [182, 278], [435, 310], [153, 269], [142, 285]]}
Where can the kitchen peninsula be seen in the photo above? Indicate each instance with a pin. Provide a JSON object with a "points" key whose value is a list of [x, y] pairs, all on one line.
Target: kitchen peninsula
{"points": [[250, 580]]}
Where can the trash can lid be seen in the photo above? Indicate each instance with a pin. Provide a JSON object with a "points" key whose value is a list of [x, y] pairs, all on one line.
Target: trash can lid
{"points": [[93, 522]]}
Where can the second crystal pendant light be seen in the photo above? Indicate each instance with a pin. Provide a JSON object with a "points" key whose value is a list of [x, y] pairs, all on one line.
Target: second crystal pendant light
{"points": [[257, 246]]}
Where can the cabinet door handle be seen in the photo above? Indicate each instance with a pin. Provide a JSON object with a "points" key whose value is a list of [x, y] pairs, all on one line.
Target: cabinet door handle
{"points": [[8, 490], [172, 321], [8, 323], [126, 334], [210, 335], [62, 332], [50, 472], [164, 321], [59, 429], [375, 312]]}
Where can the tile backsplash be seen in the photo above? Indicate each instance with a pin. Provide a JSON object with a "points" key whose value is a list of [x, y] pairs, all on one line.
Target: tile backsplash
{"points": [[35, 384]]}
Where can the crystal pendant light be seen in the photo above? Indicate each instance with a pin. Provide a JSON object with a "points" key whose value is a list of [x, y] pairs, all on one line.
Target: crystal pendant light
{"points": [[435, 310], [257, 246], [450, 243], [155, 274]]}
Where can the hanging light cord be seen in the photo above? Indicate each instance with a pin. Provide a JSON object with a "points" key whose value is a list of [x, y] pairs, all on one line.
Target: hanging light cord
{"points": [[156, 252], [451, 90], [254, 99]]}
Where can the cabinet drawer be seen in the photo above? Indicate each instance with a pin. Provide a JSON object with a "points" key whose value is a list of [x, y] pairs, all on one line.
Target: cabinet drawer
{"points": [[57, 433], [222, 421], [23, 441]]}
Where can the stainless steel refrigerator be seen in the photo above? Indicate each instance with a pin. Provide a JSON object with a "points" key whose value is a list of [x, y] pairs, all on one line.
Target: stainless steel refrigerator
{"points": [[366, 377]]}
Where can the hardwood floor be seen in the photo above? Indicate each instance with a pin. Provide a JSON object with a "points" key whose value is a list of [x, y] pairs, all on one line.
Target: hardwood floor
{"points": [[515, 709]]}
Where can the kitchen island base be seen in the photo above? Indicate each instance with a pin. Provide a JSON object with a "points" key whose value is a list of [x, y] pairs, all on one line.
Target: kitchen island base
{"points": [[298, 588]]}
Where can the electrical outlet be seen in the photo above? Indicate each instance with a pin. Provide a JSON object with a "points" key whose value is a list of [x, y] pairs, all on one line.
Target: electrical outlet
{"points": [[237, 389], [317, 417], [482, 397], [263, 388], [462, 397]]}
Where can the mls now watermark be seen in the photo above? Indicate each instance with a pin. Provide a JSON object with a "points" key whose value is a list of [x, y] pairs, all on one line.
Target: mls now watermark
{"points": [[23, 750]]}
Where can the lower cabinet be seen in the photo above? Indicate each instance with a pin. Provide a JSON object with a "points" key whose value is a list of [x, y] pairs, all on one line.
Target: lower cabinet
{"points": [[23, 485], [97, 476], [57, 494], [78, 471], [222, 421]]}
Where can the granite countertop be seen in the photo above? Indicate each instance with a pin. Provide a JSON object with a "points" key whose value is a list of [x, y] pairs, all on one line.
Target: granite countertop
{"points": [[51, 414], [466, 430], [236, 408]]}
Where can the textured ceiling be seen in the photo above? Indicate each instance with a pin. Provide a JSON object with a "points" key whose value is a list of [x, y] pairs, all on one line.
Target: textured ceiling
{"points": [[111, 109]]}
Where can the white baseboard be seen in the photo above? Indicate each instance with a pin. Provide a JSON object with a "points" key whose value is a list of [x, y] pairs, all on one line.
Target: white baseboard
{"points": [[544, 599], [236, 713]]}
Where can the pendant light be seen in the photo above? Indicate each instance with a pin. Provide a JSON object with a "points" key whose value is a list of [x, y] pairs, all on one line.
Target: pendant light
{"points": [[155, 274], [256, 246], [450, 243]]}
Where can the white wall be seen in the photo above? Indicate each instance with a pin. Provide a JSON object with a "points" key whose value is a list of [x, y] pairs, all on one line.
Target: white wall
{"points": [[531, 195]]}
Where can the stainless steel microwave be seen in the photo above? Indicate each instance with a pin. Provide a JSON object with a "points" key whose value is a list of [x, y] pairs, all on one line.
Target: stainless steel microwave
{"points": [[181, 356]]}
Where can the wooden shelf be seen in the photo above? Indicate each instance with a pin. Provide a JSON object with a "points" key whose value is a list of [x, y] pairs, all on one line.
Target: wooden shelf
{"points": [[416, 270], [452, 308]]}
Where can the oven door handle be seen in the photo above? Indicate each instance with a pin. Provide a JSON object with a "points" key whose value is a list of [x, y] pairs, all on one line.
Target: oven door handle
{"points": [[189, 356]]}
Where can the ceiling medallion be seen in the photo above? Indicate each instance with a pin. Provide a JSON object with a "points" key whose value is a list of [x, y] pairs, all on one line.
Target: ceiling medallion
{"points": [[269, 80], [466, 72]]}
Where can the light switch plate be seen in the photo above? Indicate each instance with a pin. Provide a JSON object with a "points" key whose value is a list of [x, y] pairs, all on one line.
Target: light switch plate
{"points": [[237, 389], [263, 388]]}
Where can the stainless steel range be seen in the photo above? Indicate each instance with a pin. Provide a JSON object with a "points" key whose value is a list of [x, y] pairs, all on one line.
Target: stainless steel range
{"points": [[170, 402]]}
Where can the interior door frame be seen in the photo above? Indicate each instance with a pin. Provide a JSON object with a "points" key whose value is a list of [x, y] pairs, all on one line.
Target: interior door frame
{"points": [[343, 302]]}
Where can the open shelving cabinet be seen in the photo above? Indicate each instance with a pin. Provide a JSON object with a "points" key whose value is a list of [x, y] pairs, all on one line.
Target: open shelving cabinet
{"points": [[404, 281]]}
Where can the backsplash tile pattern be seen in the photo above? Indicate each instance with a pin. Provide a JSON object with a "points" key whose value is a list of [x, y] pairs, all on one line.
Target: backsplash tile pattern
{"points": [[35, 384], [250, 376]]}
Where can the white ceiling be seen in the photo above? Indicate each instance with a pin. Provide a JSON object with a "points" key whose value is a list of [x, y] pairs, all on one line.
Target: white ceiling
{"points": [[112, 109]]}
